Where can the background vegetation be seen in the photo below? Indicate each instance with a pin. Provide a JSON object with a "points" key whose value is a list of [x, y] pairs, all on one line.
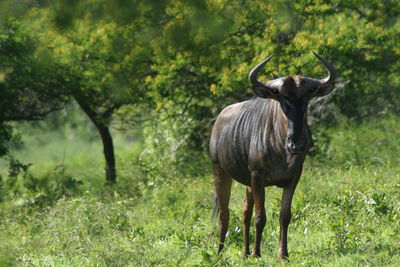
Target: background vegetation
{"points": [[135, 86]]}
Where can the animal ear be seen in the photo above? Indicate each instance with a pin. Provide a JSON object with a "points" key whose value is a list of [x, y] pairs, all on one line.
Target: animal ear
{"points": [[322, 90], [266, 92]]}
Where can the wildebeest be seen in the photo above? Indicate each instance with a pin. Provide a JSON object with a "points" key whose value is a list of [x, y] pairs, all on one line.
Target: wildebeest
{"points": [[263, 142]]}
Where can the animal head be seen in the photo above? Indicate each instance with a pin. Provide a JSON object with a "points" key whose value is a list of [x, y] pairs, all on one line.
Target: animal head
{"points": [[293, 93]]}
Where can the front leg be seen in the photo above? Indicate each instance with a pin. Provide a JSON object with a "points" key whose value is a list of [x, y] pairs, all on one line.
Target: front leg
{"points": [[284, 220]]}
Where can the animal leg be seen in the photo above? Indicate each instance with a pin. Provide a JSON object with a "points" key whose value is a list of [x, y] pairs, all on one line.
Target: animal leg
{"points": [[258, 192], [248, 204], [284, 220], [223, 183]]}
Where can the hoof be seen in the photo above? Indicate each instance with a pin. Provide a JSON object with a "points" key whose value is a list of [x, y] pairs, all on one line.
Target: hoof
{"points": [[246, 254], [283, 257], [255, 255]]}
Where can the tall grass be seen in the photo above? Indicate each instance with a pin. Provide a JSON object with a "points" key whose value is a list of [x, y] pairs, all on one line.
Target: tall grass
{"points": [[346, 209]]}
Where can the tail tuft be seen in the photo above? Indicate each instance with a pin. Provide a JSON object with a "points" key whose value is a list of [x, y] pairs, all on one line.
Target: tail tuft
{"points": [[215, 209]]}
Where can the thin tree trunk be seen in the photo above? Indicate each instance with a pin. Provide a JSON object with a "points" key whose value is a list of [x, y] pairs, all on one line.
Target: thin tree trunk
{"points": [[108, 146], [108, 150]]}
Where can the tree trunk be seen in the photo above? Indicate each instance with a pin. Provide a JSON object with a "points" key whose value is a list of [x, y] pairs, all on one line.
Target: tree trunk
{"points": [[108, 150], [108, 146]]}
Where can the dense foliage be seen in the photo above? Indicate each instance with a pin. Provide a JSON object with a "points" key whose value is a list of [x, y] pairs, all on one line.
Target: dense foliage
{"points": [[179, 63], [149, 78], [29, 90]]}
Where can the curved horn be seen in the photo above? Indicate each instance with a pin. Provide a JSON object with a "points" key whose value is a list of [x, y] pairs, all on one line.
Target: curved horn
{"points": [[254, 72], [331, 71], [262, 89]]}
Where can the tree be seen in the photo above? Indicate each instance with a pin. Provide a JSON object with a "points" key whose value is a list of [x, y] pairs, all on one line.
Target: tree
{"points": [[207, 65], [189, 59], [100, 59], [102, 65], [29, 90]]}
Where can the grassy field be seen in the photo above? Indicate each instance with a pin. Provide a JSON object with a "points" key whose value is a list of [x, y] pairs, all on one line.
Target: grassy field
{"points": [[346, 210]]}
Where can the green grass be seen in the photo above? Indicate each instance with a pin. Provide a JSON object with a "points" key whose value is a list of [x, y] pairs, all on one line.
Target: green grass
{"points": [[346, 210]]}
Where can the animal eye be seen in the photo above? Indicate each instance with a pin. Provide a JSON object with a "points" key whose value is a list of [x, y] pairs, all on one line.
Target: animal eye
{"points": [[311, 91], [274, 91]]}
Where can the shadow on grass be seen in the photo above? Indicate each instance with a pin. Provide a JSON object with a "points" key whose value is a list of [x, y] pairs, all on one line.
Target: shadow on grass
{"points": [[41, 191]]}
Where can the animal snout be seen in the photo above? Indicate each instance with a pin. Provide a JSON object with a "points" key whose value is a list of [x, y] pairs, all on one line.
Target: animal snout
{"points": [[294, 147]]}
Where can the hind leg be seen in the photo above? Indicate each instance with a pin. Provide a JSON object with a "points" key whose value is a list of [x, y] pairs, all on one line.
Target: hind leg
{"points": [[248, 204], [223, 183]]}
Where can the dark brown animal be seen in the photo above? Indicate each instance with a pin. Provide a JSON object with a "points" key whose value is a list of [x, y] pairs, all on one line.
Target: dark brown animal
{"points": [[263, 142]]}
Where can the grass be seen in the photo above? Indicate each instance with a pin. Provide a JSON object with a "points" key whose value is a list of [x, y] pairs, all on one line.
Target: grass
{"points": [[346, 210]]}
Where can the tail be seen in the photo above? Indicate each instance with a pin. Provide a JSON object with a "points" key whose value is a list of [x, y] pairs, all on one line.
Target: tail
{"points": [[213, 218], [215, 209]]}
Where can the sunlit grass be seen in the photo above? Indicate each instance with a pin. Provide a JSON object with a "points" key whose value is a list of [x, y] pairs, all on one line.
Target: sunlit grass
{"points": [[345, 213]]}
